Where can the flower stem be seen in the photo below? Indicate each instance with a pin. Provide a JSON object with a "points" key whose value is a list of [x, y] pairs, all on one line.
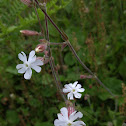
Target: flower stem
{"points": [[50, 19], [56, 43], [52, 64], [42, 33], [86, 68]]}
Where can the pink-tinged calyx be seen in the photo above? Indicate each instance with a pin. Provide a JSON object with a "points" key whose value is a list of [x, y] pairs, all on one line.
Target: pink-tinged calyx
{"points": [[41, 47], [29, 33]]}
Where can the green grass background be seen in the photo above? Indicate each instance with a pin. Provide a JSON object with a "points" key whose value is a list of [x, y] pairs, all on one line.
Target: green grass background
{"points": [[97, 31]]}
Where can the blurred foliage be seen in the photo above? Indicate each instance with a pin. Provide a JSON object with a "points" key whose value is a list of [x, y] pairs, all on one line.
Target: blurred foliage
{"points": [[97, 31]]}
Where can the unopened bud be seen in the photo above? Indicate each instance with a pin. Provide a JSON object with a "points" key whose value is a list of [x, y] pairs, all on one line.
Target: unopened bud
{"points": [[46, 60], [29, 33], [86, 76], [27, 2], [40, 58], [43, 59], [43, 41], [41, 48], [46, 53]]}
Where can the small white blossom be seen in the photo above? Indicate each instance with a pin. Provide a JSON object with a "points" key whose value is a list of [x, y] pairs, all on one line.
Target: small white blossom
{"points": [[29, 63], [65, 120], [72, 90]]}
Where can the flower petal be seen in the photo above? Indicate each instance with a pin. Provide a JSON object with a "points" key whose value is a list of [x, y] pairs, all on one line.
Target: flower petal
{"points": [[22, 56], [60, 117], [68, 86], [59, 123], [32, 57], [19, 66], [64, 112], [81, 90], [75, 83], [78, 86], [75, 116], [66, 90], [79, 123], [70, 96], [32, 53], [77, 95], [28, 74], [38, 63], [22, 70], [36, 68]]}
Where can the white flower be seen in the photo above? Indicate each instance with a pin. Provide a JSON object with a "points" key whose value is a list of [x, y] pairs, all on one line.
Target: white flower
{"points": [[65, 120], [73, 89], [32, 62]]}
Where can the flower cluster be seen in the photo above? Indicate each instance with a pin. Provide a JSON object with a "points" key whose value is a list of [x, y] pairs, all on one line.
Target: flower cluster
{"points": [[69, 115]]}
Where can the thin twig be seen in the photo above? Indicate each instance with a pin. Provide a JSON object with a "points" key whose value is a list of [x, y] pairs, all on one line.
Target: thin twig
{"points": [[52, 64], [57, 83], [86, 68], [49, 18], [38, 19], [57, 43]]}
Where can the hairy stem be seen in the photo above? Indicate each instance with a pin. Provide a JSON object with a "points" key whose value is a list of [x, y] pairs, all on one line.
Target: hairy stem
{"points": [[56, 43], [87, 69], [42, 33], [49, 18], [52, 64]]}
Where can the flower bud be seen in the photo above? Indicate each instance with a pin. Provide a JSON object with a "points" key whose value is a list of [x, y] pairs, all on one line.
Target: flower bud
{"points": [[86, 76], [27, 2], [46, 60], [46, 53], [29, 33], [43, 59], [41, 47], [43, 41]]}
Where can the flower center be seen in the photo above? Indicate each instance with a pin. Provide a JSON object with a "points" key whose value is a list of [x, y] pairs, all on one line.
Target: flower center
{"points": [[69, 124], [26, 65], [73, 90]]}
